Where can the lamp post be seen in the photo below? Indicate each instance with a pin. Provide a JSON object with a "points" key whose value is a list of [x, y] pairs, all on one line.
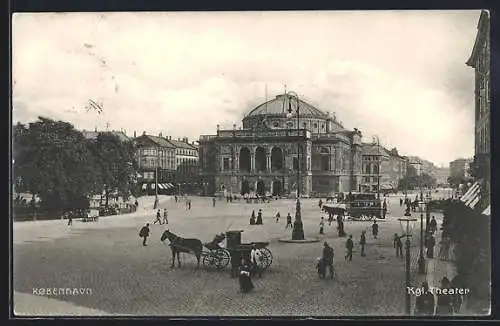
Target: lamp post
{"points": [[407, 264], [421, 258], [378, 166], [298, 228]]}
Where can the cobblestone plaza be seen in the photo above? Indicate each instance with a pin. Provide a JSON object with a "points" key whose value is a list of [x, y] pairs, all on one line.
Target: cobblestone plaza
{"points": [[126, 278]]}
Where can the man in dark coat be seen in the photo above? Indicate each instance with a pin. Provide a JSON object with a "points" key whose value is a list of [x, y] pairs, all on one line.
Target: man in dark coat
{"points": [[362, 242], [425, 302], [245, 279], [288, 221], [349, 244], [144, 234], [431, 242], [235, 263], [252, 218], [433, 225], [328, 258], [375, 229], [158, 217], [398, 244]]}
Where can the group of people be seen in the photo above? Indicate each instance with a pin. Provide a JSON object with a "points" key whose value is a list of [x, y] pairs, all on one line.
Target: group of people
{"points": [[446, 304], [158, 217], [258, 220]]}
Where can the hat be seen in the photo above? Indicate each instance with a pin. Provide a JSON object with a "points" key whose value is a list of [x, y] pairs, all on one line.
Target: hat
{"points": [[325, 243]]}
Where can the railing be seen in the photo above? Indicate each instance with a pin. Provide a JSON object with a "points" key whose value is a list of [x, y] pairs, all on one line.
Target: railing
{"points": [[264, 133]]}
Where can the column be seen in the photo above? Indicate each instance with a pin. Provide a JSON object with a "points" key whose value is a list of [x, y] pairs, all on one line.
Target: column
{"points": [[268, 161], [252, 161]]}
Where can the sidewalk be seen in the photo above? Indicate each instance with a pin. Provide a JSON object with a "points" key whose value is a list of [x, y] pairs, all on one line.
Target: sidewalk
{"points": [[48, 230]]}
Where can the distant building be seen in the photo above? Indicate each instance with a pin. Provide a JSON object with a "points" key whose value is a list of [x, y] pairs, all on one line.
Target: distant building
{"points": [[186, 160], [442, 175], [93, 134], [378, 162], [480, 61], [153, 152]]}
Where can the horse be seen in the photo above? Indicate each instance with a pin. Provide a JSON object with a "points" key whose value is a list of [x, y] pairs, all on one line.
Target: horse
{"points": [[178, 245]]}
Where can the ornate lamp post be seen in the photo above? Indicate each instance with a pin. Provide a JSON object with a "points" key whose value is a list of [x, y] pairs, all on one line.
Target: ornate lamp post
{"points": [[407, 234], [298, 228]]}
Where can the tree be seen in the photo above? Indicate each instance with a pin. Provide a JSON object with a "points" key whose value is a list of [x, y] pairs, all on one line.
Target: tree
{"points": [[116, 165], [53, 161], [412, 180]]}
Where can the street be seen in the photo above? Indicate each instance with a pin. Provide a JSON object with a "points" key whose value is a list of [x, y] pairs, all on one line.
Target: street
{"points": [[126, 278]]}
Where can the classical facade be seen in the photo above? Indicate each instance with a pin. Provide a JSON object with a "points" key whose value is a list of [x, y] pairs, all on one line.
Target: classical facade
{"points": [[265, 155], [480, 61]]}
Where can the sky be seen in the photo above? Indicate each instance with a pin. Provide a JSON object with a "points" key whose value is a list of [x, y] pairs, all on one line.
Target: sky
{"points": [[400, 75]]}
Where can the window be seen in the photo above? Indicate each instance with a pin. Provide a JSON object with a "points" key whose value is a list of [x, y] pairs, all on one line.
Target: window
{"points": [[315, 126], [323, 126], [276, 124], [289, 124], [226, 163], [295, 163]]}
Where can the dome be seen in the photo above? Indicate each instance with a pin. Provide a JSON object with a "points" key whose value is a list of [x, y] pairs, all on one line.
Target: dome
{"points": [[280, 105]]}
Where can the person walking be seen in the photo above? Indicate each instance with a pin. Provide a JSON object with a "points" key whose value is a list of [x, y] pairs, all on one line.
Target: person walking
{"points": [[375, 229], [70, 218], [362, 242], [349, 244], [425, 303], [158, 217], [259, 217], [433, 225], [320, 204], [176, 198], [144, 234], [288, 221], [444, 302], [235, 263], [327, 258], [213, 202], [321, 225], [252, 218], [165, 216], [398, 244], [278, 217], [400, 202], [245, 279], [189, 204], [431, 242]]}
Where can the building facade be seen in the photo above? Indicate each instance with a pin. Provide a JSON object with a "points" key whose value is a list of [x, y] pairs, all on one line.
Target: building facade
{"points": [[265, 156], [382, 169], [153, 152], [186, 160], [480, 61]]}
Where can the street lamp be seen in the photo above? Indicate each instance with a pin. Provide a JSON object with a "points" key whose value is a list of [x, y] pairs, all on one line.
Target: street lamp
{"points": [[407, 265], [298, 228]]}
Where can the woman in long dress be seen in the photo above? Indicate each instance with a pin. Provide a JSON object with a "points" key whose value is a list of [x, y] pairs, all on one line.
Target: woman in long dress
{"points": [[245, 280]]}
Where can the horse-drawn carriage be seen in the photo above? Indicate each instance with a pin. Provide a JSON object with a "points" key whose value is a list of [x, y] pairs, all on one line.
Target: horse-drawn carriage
{"points": [[356, 207], [217, 256]]}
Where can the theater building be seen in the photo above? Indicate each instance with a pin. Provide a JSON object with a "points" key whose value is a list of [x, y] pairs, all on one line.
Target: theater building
{"points": [[262, 156]]}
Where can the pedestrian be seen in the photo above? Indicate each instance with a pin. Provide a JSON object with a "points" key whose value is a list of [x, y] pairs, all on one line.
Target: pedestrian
{"points": [[430, 247], [189, 204], [433, 225], [327, 258], [321, 225], [259, 217], [70, 218], [457, 299], [425, 303], [136, 204], [176, 198], [362, 242], [349, 244], [245, 279], [444, 302], [444, 248], [288, 221], [144, 234], [320, 204], [384, 208], [398, 244], [375, 229], [400, 202], [158, 217], [278, 217], [165, 216], [252, 218], [235, 263], [255, 260], [321, 267]]}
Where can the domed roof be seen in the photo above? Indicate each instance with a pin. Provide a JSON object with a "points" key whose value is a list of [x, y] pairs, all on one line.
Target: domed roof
{"points": [[280, 105]]}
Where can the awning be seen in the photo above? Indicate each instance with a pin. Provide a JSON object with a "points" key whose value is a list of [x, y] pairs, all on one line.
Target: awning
{"points": [[487, 211], [153, 186], [469, 194], [160, 186], [167, 185], [171, 185], [144, 186]]}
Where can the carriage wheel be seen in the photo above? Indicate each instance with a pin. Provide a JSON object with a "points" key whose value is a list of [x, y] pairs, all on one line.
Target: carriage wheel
{"points": [[223, 258], [209, 260], [267, 258]]}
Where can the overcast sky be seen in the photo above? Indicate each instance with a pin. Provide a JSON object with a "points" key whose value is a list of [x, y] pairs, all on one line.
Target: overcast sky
{"points": [[399, 75]]}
